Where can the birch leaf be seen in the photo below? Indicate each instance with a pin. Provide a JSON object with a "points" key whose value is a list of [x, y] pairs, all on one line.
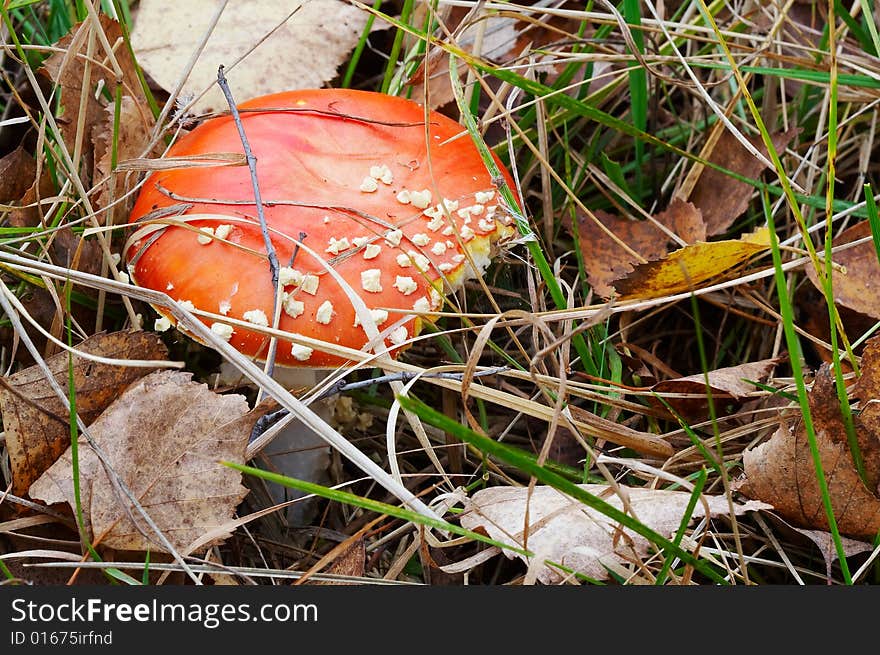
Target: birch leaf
{"points": [[305, 52], [35, 419], [165, 438], [567, 532]]}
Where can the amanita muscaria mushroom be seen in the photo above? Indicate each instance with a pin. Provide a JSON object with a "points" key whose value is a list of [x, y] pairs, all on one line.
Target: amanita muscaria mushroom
{"points": [[352, 181], [400, 209]]}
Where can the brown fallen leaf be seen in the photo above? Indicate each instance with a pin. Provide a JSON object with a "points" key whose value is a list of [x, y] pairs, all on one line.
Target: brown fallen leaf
{"points": [[781, 472], [27, 212], [867, 390], [606, 260], [806, 300], [351, 563], [131, 136], [72, 251], [726, 384], [857, 287], [18, 170], [721, 198], [34, 418], [165, 438], [132, 140], [304, 52], [567, 532], [69, 251], [67, 69], [688, 268]]}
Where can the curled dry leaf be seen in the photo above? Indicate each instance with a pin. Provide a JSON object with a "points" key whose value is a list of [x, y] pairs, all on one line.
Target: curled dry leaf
{"points": [[34, 418], [606, 260], [825, 543], [304, 52], [165, 438], [643, 442], [688, 268], [67, 68], [567, 532], [722, 198], [727, 384], [781, 471], [857, 285], [132, 141]]}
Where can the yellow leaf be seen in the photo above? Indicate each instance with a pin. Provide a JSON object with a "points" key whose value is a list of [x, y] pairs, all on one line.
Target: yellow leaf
{"points": [[689, 267]]}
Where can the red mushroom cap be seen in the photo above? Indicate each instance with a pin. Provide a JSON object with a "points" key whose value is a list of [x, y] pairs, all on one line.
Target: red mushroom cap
{"points": [[353, 172]]}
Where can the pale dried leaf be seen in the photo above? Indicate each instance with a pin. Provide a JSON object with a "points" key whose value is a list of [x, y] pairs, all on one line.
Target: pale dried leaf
{"points": [[567, 532], [165, 437], [825, 543], [497, 38], [304, 53], [34, 418]]}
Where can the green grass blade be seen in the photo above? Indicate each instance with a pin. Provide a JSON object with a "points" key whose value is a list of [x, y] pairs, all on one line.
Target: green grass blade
{"points": [[359, 48], [403, 28], [794, 350], [522, 224], [542, 474], [868, 15], [371, 505], [873, 218], [685, 521], [638, 83]]}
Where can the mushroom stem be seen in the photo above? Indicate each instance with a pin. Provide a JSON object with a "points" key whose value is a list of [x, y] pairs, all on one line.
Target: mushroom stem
{"points": [[297, 451]]}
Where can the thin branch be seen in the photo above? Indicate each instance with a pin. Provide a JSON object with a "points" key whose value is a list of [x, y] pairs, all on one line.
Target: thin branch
{"points": [[268, 420], [258, 201]]}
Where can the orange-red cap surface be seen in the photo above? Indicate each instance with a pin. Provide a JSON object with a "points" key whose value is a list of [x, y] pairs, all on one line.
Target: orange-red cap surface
{"points": [[384, 199]]}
